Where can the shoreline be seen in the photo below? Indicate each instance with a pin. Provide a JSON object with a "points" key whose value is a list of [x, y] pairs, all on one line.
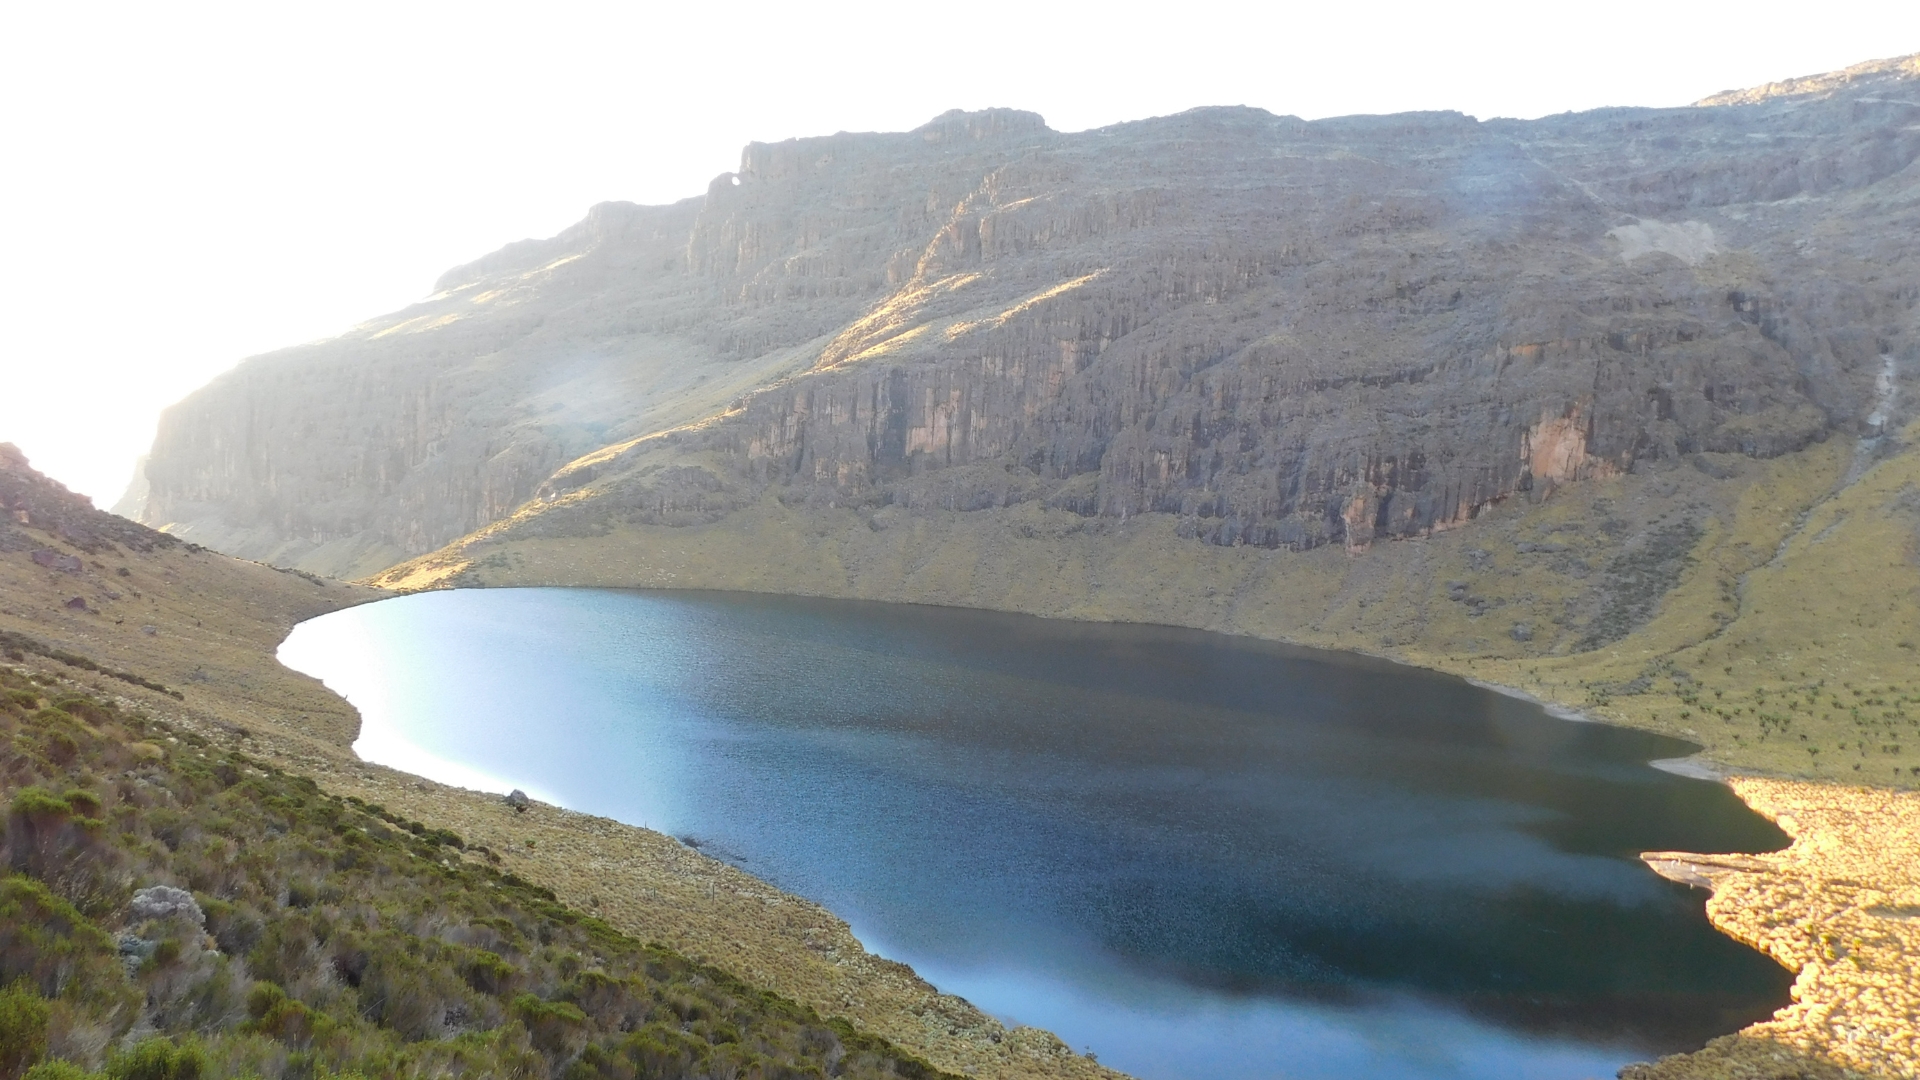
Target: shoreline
{"points": [[1826, 908], [1694, 766], [656, 888], [1551, 708], [1842, 907], [1731, 908]]}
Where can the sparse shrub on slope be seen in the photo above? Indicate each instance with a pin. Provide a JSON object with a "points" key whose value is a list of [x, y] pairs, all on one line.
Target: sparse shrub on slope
{"points": [[169, 911]]}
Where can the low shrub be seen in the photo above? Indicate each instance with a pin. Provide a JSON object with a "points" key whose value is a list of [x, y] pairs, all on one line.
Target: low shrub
{"points": [[159, 1059], [325, 937], [23, 1030]]}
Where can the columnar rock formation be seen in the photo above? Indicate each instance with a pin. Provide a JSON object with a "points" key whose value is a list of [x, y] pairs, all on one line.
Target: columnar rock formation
{"points": [[1284, 333]]}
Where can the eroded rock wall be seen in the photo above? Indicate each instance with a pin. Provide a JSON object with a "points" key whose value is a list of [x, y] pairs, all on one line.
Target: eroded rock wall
{"points": [[1283, 333]]}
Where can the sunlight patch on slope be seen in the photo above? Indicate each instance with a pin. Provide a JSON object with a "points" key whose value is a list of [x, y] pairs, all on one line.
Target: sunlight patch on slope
{"points": [[889, 321], [996, 321], [887, 345], [419, 324]]}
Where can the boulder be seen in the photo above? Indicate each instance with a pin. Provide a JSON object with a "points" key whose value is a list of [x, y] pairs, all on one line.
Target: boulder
{"points": [[53, 560], [167, 902]]}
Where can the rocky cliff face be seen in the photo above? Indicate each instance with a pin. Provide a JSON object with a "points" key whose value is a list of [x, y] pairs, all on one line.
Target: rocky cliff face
{"points": [[30, 500], [1274, 332]]}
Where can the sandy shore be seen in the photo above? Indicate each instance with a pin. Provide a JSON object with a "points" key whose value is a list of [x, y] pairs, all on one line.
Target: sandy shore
{"points": [[1841, 906]]}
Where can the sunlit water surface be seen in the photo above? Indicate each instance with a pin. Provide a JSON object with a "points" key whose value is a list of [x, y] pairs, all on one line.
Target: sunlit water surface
{"points": [[1198, 856]]}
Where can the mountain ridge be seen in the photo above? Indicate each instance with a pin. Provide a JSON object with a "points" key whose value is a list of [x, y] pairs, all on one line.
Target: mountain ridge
{"points": [[1893, 67], [638, 319]]}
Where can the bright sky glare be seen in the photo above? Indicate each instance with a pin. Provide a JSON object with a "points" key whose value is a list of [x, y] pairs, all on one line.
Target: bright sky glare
{"points": [[184, 185]]}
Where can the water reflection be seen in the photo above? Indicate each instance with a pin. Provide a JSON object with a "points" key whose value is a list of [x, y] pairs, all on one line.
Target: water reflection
{"points": [[1198, 855]]}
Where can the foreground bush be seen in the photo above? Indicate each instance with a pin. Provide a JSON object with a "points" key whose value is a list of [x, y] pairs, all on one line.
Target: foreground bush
{"points": [[170, 911]]}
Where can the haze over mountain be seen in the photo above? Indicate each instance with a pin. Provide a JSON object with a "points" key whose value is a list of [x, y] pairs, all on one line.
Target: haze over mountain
{"points": [[1280, 333], [268, 176]]}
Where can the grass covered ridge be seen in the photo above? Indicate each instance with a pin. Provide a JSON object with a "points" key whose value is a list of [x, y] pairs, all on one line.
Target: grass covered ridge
{"points": [[1696, 598], [174, 911]]}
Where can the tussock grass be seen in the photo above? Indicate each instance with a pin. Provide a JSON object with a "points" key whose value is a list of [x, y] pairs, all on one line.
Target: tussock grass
{"points": [[324, 936]]}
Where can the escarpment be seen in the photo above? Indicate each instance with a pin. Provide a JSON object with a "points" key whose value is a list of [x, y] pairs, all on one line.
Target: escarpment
{"points": [[350, 454], [1279, 333]]}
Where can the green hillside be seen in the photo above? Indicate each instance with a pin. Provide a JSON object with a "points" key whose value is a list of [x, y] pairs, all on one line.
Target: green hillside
{"points": [[171, 911]]}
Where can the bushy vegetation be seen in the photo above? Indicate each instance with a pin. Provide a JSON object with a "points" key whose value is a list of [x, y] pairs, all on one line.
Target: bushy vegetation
{"points": [[16, 646], [172, 911]]}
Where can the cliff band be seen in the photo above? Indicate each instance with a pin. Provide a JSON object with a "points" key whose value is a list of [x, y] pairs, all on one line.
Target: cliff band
{"points": [[1279, 333]]}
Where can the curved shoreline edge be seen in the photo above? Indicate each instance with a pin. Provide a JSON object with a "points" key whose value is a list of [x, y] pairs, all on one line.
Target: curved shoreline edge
{"points": [[1852, 1006], [651, 885], [1551, 708], [1791, 594], [1842, 905]]}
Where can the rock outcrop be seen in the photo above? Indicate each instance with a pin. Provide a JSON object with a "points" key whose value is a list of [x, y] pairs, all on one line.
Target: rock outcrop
{"points": [[29, 500], [1281, 333]]}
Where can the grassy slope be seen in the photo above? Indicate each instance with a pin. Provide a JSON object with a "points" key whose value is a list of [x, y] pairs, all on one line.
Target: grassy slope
{"points": [[1453, 601], [321, 938], [1717, 619], [213, 620], [1766, 610]]}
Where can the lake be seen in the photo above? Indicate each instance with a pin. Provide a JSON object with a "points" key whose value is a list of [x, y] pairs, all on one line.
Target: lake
{"points": [[1199, 856]]}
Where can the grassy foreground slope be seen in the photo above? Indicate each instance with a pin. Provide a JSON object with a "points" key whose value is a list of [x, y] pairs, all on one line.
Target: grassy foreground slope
{"points": [[184, 639], [265, 928], [1767, 610]]}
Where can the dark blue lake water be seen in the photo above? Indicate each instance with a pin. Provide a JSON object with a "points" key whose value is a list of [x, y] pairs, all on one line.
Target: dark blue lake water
{"points": [[1199, 856]]}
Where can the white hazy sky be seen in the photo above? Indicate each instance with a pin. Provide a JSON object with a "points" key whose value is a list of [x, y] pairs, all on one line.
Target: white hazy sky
{"points": [[183, 185]]}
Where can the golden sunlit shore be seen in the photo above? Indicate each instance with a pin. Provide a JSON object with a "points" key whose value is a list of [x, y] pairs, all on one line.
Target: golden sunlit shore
{"points": [[1841, 907]]}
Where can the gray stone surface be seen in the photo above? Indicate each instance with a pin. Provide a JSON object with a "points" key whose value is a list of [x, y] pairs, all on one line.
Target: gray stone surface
{"points": [[166, 902], [1284, 333]]}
